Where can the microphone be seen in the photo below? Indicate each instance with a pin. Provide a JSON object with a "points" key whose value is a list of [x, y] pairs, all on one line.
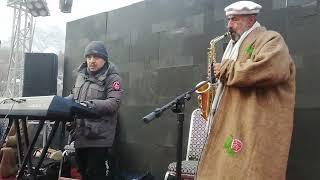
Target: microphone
{"points": [[149, 117]]}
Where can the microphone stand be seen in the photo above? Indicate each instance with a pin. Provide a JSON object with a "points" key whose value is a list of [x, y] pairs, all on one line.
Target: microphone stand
{"points": [[177, 106]]}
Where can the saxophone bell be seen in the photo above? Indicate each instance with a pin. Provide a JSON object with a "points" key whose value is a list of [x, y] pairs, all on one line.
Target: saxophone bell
{"points": [[203, 98]]}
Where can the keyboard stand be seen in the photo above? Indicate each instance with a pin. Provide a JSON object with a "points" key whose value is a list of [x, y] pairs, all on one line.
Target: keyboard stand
{"points": [[32, 171], [41, 108]]}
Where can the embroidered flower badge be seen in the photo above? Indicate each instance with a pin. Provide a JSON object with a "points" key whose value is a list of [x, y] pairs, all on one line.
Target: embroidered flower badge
{"points": [[236, 145], [232, 145], [249, 49]]}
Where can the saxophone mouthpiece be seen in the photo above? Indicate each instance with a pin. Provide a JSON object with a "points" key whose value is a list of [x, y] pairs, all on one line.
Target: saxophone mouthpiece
{"points": [[215, 40]]}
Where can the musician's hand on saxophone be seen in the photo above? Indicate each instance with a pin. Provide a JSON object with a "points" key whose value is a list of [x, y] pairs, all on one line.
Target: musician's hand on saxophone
{"points": [[216, 70]]}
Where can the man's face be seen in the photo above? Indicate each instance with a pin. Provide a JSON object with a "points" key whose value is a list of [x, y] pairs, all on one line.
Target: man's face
{"points": [[238, 24], [94, 62]]}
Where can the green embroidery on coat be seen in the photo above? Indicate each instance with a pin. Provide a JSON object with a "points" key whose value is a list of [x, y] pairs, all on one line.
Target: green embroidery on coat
{"points": [[249, 49], [227, 145]]}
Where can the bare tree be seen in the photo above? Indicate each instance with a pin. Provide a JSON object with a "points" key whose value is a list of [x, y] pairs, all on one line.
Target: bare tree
{"points": [[51, 37], [4, 63]]}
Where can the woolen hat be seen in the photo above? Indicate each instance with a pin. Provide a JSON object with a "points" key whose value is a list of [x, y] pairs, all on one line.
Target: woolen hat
{"points": [[242, 7], [96, 48]]}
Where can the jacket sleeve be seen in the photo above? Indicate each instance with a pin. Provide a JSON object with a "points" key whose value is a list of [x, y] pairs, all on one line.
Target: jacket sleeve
{"points": [[112, 102], [270, 65], [69, 97]]}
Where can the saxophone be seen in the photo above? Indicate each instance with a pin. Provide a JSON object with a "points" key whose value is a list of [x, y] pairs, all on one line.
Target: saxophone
{"points": [[207, 91]]}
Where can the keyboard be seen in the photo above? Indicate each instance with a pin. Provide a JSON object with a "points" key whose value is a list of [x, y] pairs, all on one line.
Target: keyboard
{"points": [[44, 108]]}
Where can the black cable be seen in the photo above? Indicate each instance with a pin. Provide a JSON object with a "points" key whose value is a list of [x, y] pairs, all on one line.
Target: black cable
{"points": [[4, 100], [12, 99]]}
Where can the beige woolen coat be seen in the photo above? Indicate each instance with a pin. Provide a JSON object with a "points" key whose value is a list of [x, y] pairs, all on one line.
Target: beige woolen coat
{"points": [[256, 108]]}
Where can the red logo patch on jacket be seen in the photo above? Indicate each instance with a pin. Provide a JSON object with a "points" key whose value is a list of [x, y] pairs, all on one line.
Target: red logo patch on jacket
{"points": [[116, 85]]}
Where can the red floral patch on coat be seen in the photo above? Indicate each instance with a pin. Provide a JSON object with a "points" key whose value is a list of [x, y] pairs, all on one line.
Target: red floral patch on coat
{"points": [[236, 145], [232, 145]]}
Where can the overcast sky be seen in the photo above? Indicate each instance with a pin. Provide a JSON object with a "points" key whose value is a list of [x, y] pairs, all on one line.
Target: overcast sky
{"points": [[80, 9]]}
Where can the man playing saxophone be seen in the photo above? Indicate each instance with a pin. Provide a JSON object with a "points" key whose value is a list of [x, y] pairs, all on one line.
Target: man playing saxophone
{"points": [[251, 130]]}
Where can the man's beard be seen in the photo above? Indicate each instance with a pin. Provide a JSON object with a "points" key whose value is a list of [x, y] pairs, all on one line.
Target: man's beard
{"points": [[236, 36]]}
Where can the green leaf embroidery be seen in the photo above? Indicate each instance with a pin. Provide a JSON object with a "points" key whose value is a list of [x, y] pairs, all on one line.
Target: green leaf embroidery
{"points": [[227, 146], [230, 152], [227, 142], [249, 49]]}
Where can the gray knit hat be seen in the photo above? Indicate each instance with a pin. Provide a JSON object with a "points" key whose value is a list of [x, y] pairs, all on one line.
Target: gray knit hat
{"points": [[96, 48]]}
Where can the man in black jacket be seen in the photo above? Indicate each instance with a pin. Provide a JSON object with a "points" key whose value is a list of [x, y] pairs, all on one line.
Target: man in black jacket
{"points": [[97, 86]]}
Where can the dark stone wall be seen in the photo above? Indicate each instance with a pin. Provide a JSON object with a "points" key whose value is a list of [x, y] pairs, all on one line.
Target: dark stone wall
{"points": [[78, 34], [160, 48]]}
